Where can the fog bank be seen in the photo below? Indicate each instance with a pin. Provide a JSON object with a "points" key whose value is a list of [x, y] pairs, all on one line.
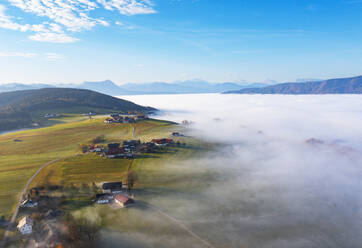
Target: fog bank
{"points": [[289, 175]]}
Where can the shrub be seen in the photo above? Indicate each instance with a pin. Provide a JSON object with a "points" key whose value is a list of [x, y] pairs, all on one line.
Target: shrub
{"points": [[99, 139]]}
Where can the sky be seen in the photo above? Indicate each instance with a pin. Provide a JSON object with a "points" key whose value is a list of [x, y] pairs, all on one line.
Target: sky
{"points": [[71, 41]]}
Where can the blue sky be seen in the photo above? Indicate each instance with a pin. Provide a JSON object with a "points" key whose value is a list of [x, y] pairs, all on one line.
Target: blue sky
{"points": [[70, 41]]}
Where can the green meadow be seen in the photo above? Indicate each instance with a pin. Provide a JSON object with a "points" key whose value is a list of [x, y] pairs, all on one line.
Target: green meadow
{"points": [[22, 153]]}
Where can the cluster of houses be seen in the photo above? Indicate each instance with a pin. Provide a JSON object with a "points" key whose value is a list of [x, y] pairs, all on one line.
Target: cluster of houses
{"points": [[51, 115], [129, 148], [125, 118], [25, 225], [112, 193]]}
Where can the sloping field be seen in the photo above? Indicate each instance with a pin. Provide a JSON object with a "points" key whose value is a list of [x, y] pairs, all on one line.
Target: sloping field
{"points": [[22, 153]]}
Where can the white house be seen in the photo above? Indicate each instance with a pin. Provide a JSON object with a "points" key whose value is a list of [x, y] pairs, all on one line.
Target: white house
{"points": [[25, 225]]}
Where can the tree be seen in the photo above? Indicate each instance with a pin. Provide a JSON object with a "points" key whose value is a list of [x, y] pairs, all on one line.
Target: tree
{"points": [[94, 187], [130, 179], [84, 148], [99, 139]]}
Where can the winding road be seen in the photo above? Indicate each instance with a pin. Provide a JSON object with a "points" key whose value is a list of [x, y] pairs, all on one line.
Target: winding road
{"points": [[15, 214]]}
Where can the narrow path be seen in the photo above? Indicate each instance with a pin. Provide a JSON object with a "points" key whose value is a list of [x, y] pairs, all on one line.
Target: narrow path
{"points": [[15, 214], [181, 225]]}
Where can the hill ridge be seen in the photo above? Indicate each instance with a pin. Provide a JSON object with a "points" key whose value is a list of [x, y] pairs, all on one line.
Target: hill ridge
{"points": [[19, 109], [350, 85]]}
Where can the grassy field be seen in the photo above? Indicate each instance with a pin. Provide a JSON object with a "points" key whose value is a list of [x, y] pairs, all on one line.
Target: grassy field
{"points": [[21, 153], [166, 179]]}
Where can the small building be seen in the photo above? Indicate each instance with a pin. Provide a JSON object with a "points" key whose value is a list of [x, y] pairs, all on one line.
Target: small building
{"points": [[123, 200], [113, 148], [162, 142], [177, 134], [96, 148], [148, 147], [50, 115], [104, 198], [25, 225], [113, 145], [131, 145], [142, 117], [112, 187], [28, 204], [108, 121]]}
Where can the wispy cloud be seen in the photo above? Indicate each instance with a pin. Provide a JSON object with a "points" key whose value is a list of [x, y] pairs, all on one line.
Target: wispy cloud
{"points": [[46, 56], [53, 56], [65, 17], [53, 37], [18, 54]]}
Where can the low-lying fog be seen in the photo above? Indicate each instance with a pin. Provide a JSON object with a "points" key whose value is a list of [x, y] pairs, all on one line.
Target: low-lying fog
{"points": [[289, 176]]}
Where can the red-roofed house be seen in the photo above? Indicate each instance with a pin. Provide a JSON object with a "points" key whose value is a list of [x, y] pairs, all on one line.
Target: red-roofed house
{"points": [[123, 200]]}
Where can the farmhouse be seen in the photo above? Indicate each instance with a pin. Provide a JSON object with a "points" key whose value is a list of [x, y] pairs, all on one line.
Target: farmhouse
{"points": [[28, 204], [177, 134], [96, 148], [162, 142], [108, 121], [115, 151], [50, 115], [131, 145], [112, 187], [148, 147], [104, 198], [25, 225], [123, 200], [141, 117]]}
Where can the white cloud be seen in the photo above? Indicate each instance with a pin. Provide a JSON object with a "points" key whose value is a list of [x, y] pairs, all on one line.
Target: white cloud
{"points": [[47, 56], [53, 56], [49, 32], [18, 54], [64, 16], [53, 37], [128, 7]]}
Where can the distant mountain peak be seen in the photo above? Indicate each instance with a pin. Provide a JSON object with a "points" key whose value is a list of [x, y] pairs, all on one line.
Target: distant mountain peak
{"points": [[352, 85]]}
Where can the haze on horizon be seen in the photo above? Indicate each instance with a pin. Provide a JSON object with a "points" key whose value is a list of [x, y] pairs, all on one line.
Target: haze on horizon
{"points": [[167, 40]]}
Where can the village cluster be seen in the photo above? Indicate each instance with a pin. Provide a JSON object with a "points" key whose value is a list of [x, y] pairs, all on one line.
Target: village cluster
{"points": [[113, 193], [130, 148], [125, 118]]}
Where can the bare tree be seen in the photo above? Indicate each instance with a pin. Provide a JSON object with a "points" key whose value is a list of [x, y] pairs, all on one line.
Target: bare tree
{"points": [[130, 179]]}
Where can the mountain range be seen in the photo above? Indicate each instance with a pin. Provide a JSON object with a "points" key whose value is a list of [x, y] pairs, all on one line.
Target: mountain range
{"points": [[352, 85], [110, 88]]}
